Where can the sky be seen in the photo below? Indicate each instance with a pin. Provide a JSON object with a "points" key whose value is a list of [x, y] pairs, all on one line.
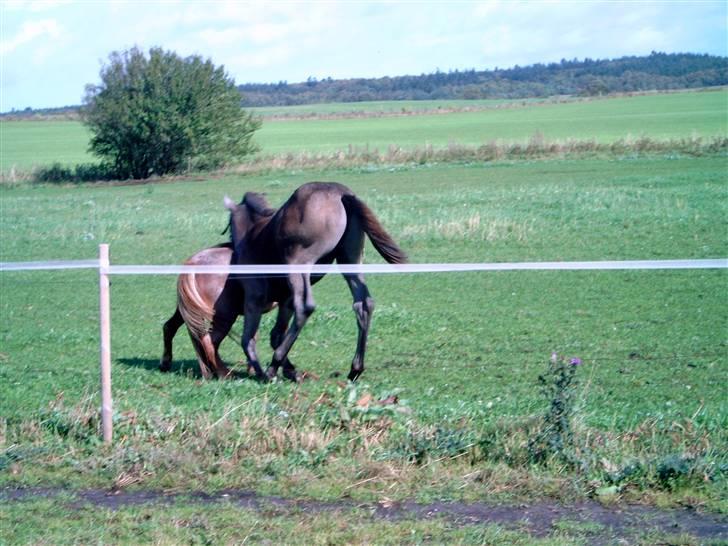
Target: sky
{"points": [[51, 49]]}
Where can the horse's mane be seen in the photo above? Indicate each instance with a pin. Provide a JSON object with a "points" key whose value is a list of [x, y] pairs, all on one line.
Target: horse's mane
{"points": [[257, 204], [258, 208]]}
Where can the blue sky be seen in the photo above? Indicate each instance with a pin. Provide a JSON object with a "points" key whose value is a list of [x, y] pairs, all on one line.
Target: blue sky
{"points": [[49, 50]]}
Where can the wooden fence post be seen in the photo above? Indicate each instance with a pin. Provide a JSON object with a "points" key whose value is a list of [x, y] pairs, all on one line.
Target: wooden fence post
{"points": [[105, 321]]}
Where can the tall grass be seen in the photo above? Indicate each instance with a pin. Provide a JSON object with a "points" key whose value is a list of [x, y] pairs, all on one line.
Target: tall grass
{"points": [[536, 147]]}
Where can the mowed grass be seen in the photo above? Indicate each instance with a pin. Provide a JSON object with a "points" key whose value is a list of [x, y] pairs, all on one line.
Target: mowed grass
{"points": [[662, 116], [656, 116], [461, 351], [27, 144]]}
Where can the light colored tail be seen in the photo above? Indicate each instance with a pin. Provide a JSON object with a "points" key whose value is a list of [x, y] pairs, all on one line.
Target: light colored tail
{"points": [[196, 312]]}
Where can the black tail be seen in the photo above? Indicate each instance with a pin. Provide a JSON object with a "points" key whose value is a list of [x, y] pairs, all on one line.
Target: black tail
{"points": [[381, 240]]}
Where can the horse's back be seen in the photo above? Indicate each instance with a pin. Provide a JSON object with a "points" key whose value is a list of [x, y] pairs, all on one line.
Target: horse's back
{"points": [[312, 221], [216, 255]]}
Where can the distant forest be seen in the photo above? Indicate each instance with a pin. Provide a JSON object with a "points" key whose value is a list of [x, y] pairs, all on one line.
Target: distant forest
{"points": [[658, 71], [588, 77]]}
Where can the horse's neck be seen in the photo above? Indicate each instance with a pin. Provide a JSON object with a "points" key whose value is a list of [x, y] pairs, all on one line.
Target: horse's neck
{"points": [[258, 242]]}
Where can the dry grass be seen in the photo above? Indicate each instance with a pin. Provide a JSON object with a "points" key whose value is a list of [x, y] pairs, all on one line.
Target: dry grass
{"points": [[472, 227], [537, 147]]}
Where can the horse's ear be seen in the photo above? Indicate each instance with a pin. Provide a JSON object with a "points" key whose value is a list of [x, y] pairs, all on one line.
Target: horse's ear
{"points": [[229, 204]]}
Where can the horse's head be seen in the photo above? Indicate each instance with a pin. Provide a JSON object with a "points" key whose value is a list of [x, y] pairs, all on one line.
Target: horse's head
{"points": [[247, 214]]}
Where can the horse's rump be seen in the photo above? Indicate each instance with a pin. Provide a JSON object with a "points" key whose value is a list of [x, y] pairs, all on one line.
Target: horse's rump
{"points": [[197, 293]]}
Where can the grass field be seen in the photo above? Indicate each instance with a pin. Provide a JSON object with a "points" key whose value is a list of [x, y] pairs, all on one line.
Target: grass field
{"points": [[386, 107], [462, 352], [464, 349], [680, 115], [658, 116]]}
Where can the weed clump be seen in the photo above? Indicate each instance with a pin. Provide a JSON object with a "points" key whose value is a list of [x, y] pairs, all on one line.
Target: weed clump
{"points": [[556, 437], [421, 445]]}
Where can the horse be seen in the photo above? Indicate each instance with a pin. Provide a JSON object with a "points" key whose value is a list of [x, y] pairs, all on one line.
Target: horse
{"points": [[209, 304], [320, 222]]}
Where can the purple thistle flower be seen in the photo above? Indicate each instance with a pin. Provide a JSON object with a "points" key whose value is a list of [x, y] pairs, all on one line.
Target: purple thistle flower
{"points": [[575, 361]]}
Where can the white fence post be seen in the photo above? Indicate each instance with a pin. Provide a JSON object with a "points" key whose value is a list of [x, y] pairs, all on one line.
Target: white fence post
{"points": [[105, 322]]}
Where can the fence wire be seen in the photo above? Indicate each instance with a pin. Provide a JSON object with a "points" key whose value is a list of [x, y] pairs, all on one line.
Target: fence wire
{"points": [[280, 269]]}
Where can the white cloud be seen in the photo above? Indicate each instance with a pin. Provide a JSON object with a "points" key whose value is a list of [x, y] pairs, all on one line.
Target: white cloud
{"points": [[264, 33], [34, 6], [647, 37], [220, 38], [31, 31], [260, 58]]}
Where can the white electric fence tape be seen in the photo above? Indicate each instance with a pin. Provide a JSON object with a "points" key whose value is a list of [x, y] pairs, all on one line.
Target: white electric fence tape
{"points": [[275, 269], [60, 264]]}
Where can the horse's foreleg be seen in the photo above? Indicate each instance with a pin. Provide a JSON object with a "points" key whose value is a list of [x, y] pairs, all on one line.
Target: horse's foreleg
{"points": [[250, 328], [363, 309], [303, 306], [169, 330], [277, 334]]}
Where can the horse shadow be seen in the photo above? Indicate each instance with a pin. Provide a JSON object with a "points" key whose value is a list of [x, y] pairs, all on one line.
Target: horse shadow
{"points": [[186, 368]]}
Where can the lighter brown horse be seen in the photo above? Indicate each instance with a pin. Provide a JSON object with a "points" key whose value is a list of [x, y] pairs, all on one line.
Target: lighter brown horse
{"points": [[321, 222], [209, 304]]}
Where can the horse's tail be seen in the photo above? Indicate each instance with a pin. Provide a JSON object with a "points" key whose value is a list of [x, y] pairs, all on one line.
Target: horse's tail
{"points": [[208, 358], [382, 241], [196, 312]]}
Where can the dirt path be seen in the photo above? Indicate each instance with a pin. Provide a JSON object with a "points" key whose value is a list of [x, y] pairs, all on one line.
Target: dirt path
{"points": [[537, 518]]}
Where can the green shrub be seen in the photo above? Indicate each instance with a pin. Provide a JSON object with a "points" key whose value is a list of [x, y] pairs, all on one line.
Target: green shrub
{"points": [[162, 113], [83, 172]]}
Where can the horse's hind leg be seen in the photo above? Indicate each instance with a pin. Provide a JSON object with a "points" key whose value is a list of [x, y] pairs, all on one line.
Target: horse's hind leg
{"points": [[350, 252], [169, 330], [220, 330], [212, 356], [205, 368], [363, 308]]}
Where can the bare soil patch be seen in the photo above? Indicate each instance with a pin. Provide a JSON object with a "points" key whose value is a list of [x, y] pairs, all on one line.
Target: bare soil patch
{"points": [[540, 519]]}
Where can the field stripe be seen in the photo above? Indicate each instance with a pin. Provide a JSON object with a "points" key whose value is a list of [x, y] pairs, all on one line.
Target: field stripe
{"points": [[277, 269]]}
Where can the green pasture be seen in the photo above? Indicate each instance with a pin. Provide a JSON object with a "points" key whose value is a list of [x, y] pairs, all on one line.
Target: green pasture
{"points": [[25, 144], [656, 116], [462, 352]]}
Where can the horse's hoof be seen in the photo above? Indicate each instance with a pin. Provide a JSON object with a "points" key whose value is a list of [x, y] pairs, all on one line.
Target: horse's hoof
{"points": [[354, 375], [295, 376], [165, 366]]}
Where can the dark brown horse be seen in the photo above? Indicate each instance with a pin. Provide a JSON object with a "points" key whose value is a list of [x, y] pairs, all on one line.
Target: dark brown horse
{"points": [[208, 304], [321, 222]]}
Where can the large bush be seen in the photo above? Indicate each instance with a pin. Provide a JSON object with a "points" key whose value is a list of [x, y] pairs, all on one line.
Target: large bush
{"points": [[162, 113]]}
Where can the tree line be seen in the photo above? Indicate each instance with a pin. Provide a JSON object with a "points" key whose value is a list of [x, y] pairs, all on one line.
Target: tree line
{"points": [[587, 77], [157, 113]]}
